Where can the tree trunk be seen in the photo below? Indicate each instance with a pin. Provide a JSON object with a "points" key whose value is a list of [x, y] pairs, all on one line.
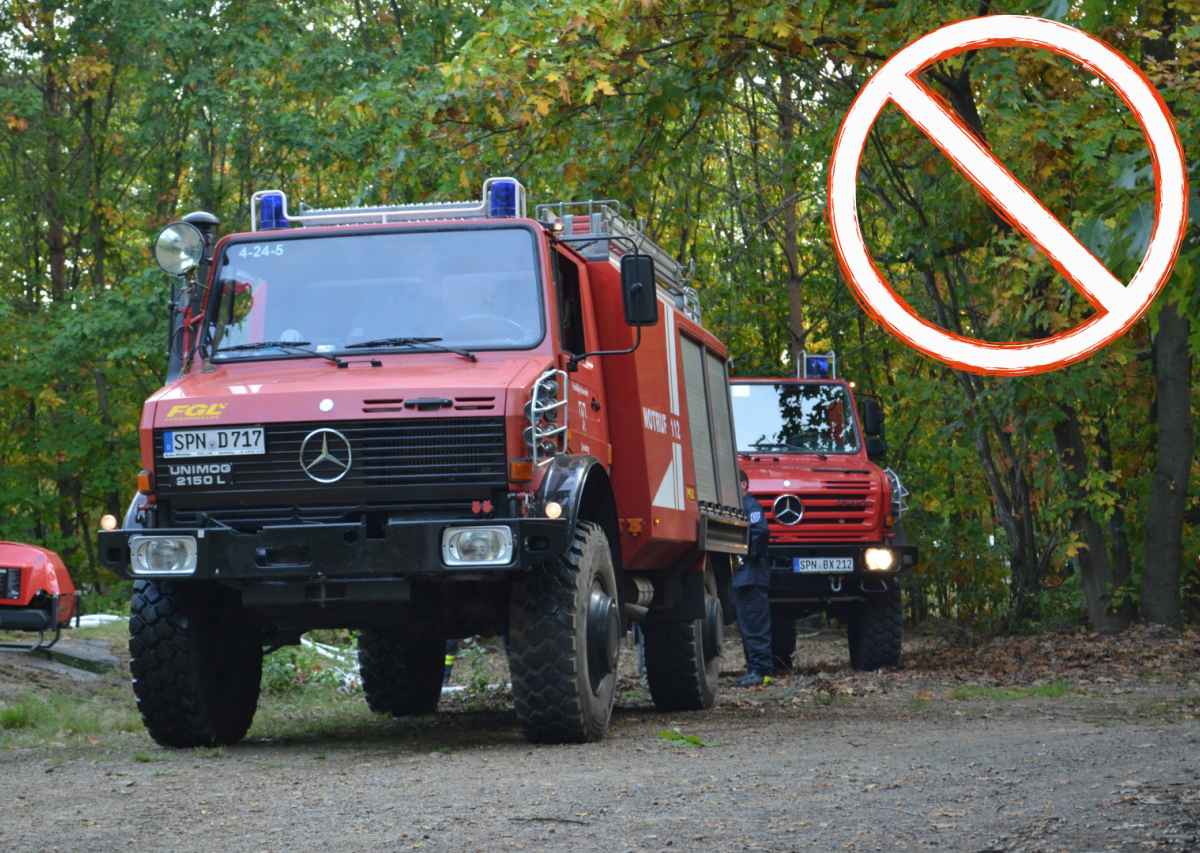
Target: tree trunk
{"points": [[1163, 550], [1122, 558], [1095, 568], [791, 249], [112, 500]]}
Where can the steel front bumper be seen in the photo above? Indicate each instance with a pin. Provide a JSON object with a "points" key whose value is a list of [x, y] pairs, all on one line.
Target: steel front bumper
{"points": [[787, 584], [311, 551]]}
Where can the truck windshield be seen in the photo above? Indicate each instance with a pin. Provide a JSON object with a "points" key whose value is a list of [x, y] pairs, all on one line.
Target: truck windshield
{"points": [[476, 289], [793, 418]]}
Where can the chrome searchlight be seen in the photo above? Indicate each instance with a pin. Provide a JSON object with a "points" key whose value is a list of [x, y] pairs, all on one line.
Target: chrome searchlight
{"points": [[179, 248], [477, 546]]}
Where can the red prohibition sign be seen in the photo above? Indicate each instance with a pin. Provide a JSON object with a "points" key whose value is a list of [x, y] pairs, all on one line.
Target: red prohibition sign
{"points": [[1117, 305]]}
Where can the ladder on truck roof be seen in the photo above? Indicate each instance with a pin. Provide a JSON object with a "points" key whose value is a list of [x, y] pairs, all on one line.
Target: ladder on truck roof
{"points": [[602, 221]]}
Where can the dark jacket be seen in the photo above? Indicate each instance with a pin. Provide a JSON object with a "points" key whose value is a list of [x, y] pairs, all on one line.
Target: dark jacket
{"points": [[754, 570]]}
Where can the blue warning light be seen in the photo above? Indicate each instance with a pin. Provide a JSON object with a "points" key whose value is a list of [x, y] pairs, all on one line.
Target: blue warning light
{"points": [[271, 210], [503, 200]]}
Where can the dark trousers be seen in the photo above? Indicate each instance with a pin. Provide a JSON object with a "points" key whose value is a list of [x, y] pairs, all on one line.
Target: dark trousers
{"points": [[754, 621]]}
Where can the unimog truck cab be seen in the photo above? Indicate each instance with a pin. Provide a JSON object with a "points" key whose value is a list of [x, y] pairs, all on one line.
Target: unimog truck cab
{"points": [[425, 422], [837, 542]]}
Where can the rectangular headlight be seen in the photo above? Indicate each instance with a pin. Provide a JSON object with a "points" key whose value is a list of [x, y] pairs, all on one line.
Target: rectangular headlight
{"points": [[477, 546], [879, 559], [169, 556]]}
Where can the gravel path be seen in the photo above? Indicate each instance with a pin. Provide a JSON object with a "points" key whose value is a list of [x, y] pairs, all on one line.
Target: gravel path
{"points": [[822, 760]]}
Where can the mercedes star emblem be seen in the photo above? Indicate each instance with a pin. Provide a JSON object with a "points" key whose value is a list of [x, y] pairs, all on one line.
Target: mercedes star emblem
{"points": [[332, 464], [787, 508]]}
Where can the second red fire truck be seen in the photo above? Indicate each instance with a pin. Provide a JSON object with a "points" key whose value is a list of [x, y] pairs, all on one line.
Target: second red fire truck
{"points": [[837, 543]]}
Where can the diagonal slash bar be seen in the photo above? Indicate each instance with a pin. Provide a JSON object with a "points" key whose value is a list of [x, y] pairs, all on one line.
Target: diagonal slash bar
{"points": [[1070, 257]]}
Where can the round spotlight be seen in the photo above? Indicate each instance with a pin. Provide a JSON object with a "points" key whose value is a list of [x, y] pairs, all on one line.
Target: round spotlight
{"points": [[553, 510], [109, 522]]}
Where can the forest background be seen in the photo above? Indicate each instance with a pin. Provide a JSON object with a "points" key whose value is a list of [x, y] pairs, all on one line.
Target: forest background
{"points": [[1064, 498]]}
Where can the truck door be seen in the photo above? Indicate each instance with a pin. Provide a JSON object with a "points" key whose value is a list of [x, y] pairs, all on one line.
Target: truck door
{"points": [[577, 335]]}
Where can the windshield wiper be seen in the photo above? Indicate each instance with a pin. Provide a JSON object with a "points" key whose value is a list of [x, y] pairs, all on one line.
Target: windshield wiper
{"points": [[298, 346], [790, 448], [427, 343]]}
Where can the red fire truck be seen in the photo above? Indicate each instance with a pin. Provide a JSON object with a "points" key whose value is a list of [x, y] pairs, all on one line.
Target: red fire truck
{"points": [[837, 544], [427, 422]]}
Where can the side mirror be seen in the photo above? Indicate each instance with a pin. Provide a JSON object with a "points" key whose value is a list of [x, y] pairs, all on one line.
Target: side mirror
{"points": [[876, 448], [179, 248], [872, 414], [638, 290]]}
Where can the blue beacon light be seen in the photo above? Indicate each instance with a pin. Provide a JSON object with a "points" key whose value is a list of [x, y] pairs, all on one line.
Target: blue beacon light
{"points": [[816, 367], [503, 204], [272, 216]]}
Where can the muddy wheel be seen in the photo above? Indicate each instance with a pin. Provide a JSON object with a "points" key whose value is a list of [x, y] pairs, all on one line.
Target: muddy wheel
{"points": [[400, 677], [783, 637], [874, 629], [196, 661], [683, 659], [564, 638]]}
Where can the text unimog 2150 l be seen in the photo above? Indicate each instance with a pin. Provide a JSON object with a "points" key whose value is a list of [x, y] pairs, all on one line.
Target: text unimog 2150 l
{"points": [[385, 420]]}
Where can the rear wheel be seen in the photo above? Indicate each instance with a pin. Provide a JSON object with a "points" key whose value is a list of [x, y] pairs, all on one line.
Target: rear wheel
{"points": [[564, 639], [783, 637], [400, 677], [874, 630], [683, 659], [196, 662]]}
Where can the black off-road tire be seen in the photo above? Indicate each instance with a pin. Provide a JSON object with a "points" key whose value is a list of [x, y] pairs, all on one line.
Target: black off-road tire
{"points": [[679, 675], [874, 630], [400, 677], [783, 637], [196, 660], [553, 690]]}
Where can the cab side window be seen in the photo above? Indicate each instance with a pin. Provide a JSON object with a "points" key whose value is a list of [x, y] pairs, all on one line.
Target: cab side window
{"points": [[570, 305]]}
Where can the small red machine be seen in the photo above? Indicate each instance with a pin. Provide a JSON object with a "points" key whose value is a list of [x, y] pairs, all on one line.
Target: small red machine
{"points": [[837, 544], [36, 593]]}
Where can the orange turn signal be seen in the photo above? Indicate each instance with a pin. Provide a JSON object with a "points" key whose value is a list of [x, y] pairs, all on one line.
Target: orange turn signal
{"points": [[889, 521], [520, 470], [145, 482]]}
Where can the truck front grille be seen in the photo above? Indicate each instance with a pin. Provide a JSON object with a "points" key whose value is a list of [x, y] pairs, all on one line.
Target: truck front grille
{"points": [[842, 510], [392, 459]]}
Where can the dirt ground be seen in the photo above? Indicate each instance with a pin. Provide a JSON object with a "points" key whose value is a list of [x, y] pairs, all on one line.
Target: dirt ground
{"points": [[1059, 743]]}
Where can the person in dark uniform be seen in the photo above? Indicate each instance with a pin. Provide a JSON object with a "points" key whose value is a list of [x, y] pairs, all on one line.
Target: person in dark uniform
{"points": [[750, 599]]}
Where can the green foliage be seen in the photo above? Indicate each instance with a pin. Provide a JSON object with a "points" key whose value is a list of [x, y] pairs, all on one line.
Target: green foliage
{"points": [[34, 717], [675, 737], [295, 667], [475, 657], [1051, 690]]}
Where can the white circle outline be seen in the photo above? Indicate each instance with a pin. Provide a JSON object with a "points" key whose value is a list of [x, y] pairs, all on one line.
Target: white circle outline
{"points": [[1014, 358]]}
